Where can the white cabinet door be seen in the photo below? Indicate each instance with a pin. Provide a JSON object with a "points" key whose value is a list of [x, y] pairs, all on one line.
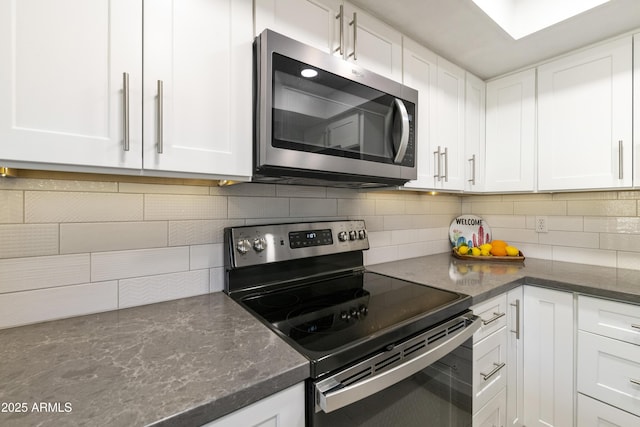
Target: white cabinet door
{"points": [[312, 22], [489, 363], [420, 68], [201, 53], [62, 99], [585, 119], [493, 414], [593, 413], [283, 409], [515, 357], [636, 109], [372, 44], [510, 141], [474, 133], [548, 357], [449, 126]]}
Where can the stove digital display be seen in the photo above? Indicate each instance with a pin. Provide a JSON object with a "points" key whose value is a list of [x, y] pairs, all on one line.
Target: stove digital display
{"points": [[305, 239]]}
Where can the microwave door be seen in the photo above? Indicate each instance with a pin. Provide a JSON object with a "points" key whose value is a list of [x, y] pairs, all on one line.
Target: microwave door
{"points": [[397, 129]]}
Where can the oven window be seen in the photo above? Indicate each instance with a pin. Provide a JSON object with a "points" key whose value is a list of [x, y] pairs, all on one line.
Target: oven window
{"points": [[328, 114], [439, 395]]}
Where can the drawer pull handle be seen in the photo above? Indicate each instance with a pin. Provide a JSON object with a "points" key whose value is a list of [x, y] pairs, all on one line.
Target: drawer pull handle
{"points": [[635, 326], [635, 382], [516, 305], [498, 366], [495, 317]]}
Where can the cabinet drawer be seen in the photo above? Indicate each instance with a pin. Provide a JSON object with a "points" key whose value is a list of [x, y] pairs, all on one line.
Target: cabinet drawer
{"points": [[494, 413], [493, 314], [609, 370], [609, 318], [593, 413], [489, 367]]}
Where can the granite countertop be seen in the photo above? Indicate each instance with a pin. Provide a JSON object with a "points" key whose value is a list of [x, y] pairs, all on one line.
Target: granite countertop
{"points": [[483, 280], [182, 363]]}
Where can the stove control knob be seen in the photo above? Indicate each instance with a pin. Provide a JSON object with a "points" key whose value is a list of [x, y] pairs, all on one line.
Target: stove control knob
{"points": [[243, 246], [363, 309], [362, 234], [355, 313], [259, 244], [345, 316], [342, 236], [353, 235]]}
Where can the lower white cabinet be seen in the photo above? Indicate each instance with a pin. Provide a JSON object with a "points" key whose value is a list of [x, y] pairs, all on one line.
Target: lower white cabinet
{"points": [[593, 413], [283, 409], [493, 414], [548, 357], [515, 357]]}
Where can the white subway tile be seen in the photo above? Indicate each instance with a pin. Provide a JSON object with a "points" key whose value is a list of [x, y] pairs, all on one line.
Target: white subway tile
{"points": [[183, 207], [570, 238], [206, 256], [11, 203], [380, 255], [612, 224], [532, 250], [313, 207], [447, 207], [24, 240], [245, 189], [436, 233], [413, 250], [402, 237], [564, 223], [600, 195], [345, 193], [527, 197], [216, 279], [131, 187], [58, 185], [373, 223], [48, 206], [492, 208], [620, 242], [630, 260], [301, 191], [112, 236], [479, 198], [379, 238], [164, 287], [602, 207], [541, 207], [419, 207], [599, 257], [355, 207], [21, 274], [514, 235], [22, 308], [386, 194], [258, 207], [136, 263], [629, 194], [505, 221], [390, 207], [198, 232]]}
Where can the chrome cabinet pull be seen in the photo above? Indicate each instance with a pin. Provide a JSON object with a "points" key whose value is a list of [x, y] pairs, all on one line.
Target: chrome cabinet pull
{"points": [[340, 17], [498, 366], [125, 110], [436, 164], [495, 317], [635, 326], [620, 160], [160, 117], [355, 36], [517, 306], [473, 170], [446, 164], [635, 382]]}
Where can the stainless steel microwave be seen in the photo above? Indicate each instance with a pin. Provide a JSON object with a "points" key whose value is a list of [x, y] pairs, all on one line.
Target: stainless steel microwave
{"points": [[322, 120]]}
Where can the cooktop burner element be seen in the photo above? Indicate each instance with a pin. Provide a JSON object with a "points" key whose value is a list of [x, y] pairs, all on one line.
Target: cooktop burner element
{"points": [[307, 282]]}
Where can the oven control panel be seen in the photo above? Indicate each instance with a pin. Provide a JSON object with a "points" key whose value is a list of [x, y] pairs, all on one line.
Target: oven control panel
{"points": [[261, 244]]}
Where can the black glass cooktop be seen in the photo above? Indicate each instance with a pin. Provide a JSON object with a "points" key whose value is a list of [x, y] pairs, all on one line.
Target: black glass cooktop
{"points": [[361, 310]]}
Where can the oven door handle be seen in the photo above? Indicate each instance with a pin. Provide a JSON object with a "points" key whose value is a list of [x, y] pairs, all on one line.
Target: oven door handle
{"points": [[330, 395]]}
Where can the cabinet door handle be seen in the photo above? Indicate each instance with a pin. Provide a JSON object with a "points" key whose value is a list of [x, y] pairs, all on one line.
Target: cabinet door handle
{"points": [[436, 163], [125, 110], [498, 366], [495, 317], [620, 160], [635, 326], [340, 17], [446, 164], [355, 36], [160, 117], [473, 170], [517, 306], [635, 382]]}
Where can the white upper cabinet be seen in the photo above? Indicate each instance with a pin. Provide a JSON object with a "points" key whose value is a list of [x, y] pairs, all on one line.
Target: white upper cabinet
{"points": [[510, 137], [474, 133], [199, 120], [62, 95], [335, 27], [636, 110], [420, 68], [585, 119]]}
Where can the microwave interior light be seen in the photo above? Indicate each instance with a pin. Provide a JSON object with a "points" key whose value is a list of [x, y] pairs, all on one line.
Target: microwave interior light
{"points": [[308, 73]]}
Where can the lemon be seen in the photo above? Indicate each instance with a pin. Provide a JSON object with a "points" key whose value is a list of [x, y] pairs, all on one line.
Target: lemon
{"points": [[463, 250], [512, 251], [485, 252], [475, 251], [486, 246]]}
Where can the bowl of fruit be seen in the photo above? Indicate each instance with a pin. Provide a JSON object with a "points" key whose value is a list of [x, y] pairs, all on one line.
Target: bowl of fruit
{"points": [[495, 250]]}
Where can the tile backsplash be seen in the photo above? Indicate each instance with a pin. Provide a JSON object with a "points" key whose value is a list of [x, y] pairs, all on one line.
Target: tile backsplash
{"points": [[76, 247]]}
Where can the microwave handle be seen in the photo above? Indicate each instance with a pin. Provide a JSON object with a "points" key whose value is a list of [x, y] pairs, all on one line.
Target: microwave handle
{"points": [[401, 148]]}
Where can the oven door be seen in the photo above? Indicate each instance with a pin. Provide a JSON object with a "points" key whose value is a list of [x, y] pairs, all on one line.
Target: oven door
{"points": [[318, 112], [425, 380]]}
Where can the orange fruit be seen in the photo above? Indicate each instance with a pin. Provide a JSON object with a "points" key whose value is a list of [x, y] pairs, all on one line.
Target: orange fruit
{"points": [[499, 243], [498, 251]]}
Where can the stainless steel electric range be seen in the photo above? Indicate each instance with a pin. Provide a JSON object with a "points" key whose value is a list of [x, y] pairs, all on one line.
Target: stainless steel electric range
{"points": [[383, 351]]}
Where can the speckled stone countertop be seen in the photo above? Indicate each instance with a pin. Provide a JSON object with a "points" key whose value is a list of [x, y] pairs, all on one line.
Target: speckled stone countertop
{"points": [[178, 363], [483, 280]]}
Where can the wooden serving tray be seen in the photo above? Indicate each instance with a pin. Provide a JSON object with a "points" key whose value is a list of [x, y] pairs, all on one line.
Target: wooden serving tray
{"points": [[518, 258]]}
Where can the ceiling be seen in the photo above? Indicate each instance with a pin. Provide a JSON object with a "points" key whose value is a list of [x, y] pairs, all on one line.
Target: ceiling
{"points": [[462, 33]]}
